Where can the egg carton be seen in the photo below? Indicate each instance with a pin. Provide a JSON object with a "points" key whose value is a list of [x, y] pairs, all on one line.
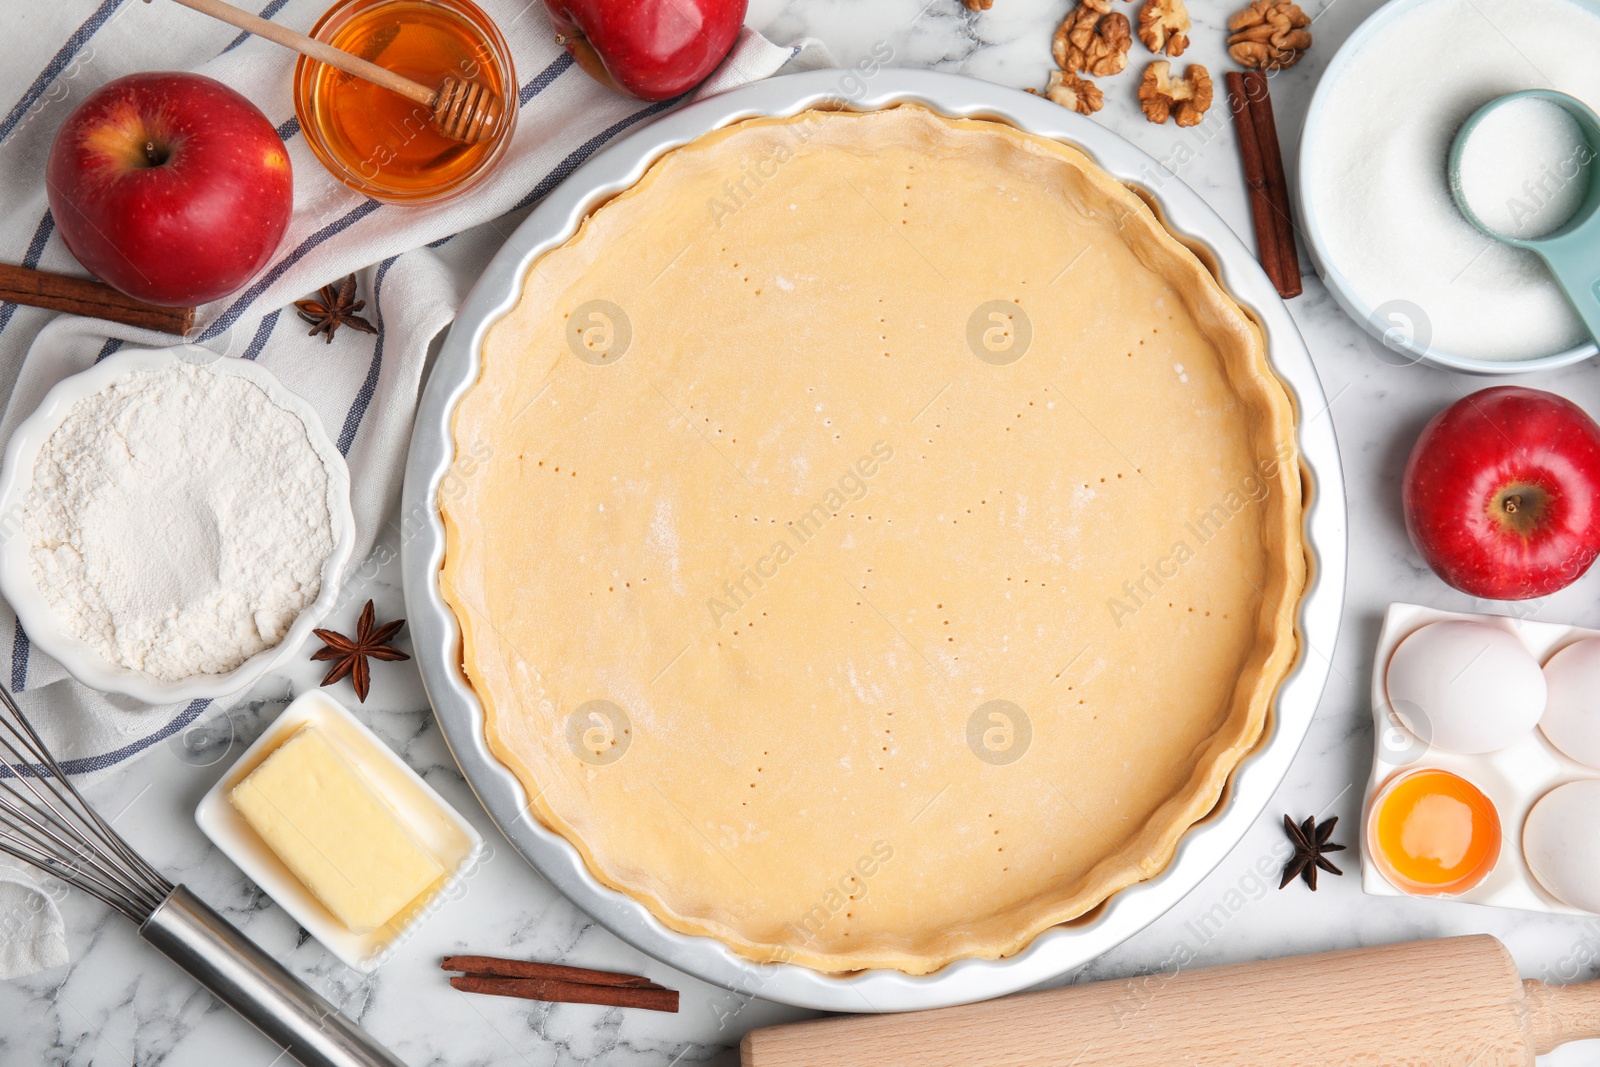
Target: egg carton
{"points": [[1514, 778]]}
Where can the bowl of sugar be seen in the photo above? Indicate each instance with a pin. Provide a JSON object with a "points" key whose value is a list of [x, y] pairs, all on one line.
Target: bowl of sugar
{"points": [[1374, 193], [175, 523]]}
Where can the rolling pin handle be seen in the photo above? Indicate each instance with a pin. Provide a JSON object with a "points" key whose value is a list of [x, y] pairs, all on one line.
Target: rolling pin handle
{"points": [[1558, 1014]]}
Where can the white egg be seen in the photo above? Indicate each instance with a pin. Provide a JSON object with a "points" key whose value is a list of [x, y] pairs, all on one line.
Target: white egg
{"points": [[1465, 687], [1561, 842], [1572, 712]]}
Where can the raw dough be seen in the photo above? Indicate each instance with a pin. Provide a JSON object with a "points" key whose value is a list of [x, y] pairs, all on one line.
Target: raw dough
{"points": [[740, 588]]}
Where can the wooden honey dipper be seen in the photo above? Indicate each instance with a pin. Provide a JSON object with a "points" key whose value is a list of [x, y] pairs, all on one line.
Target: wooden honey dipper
{"points": [[461, 110]]}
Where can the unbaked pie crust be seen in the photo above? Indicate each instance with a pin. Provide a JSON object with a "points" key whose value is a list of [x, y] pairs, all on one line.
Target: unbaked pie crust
{"points": [[882, 540]]}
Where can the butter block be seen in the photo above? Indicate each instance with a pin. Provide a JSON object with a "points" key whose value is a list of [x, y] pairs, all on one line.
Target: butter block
{"points": [[347, 846]]}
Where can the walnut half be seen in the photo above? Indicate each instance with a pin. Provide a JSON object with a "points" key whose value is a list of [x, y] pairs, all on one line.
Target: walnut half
{"points": [[1268, 35], [1094, 40], [1164, 26], [1185, 99], [1069, 90], [978, 5]]}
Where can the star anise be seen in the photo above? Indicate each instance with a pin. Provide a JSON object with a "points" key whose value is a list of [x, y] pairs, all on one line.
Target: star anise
{"points": [[337, 308], [1310, 847], [351, 655]]}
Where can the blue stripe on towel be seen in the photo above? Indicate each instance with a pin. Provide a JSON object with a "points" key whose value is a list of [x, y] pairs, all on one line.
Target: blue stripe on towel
{"points": [[263, 332], [113, 344], [19, 659], [41, 237], [241, 305], [267, 12], [19, 642], [588, 148], [352, 421], [58, 63], [541, 81], [90, 764]]}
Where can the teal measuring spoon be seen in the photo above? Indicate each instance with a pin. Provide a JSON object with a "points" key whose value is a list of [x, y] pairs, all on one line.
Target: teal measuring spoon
{"points": [[1572, 249]]}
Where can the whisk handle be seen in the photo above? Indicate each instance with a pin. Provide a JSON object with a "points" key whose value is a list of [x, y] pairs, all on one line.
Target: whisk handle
{"points": [[250, 982]]}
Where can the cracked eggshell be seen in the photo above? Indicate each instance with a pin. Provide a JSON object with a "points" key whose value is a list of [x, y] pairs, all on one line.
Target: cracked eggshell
{"points": [[1572, 711], [1561, 842], [1466, 687]]}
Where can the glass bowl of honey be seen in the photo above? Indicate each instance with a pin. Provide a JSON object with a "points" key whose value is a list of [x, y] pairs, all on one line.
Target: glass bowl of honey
{"points": [[378, 142], [1433, 833]]}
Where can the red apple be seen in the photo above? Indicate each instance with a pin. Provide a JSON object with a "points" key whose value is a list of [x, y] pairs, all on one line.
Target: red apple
{"points": [[651, 49], [1502, 493], [170, 186]]}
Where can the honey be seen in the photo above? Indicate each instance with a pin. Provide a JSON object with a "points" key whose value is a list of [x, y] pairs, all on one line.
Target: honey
{"points": [[1433, 833], [377, 141]]}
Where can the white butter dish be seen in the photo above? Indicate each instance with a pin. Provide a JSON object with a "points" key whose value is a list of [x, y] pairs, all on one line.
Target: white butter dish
{"points": [[1514, 778], [437, 827]]}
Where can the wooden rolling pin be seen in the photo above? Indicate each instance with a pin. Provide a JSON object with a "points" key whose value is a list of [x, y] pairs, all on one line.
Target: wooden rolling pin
{"points": [[1449, 1003]]}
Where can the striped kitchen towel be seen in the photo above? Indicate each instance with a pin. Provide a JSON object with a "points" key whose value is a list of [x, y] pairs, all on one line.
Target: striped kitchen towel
{"points": [[414, 264]]}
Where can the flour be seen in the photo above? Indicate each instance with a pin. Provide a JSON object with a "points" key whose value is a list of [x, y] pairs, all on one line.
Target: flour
{"points": [[179, 521]]}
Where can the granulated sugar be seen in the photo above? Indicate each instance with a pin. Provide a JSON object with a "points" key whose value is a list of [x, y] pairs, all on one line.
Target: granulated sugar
{"points": [[179, 521], [1376, 181], [1523, 168]]}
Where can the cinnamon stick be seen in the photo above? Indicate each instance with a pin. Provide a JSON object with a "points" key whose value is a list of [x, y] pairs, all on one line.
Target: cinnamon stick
{"points": [[612, 996], [1268, 249], [1257, 91], [80, 296], [493, 966]]}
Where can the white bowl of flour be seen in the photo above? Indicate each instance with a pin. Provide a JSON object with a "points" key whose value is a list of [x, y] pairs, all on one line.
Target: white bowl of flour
{"points": [[1374, 194], [174, 524]]}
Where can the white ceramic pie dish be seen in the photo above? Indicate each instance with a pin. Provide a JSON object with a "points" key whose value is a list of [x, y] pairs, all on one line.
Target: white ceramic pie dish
{"points": [[436, 638], [35, 613]]}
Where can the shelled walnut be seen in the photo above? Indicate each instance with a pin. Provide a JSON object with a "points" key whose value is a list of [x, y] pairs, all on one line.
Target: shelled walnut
{"points": [[1069, 90], [1184, 99], [1093, 39], [1268, 35], [978, 5], [1164, 26]]}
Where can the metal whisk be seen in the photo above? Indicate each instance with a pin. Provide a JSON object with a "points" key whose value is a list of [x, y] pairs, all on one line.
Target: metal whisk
{"points": [[44, 821]]}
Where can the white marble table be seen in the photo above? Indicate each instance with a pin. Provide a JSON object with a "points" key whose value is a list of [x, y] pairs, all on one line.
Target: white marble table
{"points": [[119, 1003]]}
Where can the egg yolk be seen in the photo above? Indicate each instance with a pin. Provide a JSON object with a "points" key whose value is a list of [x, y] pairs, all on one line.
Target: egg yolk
{"points": [[1434, 833]]}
